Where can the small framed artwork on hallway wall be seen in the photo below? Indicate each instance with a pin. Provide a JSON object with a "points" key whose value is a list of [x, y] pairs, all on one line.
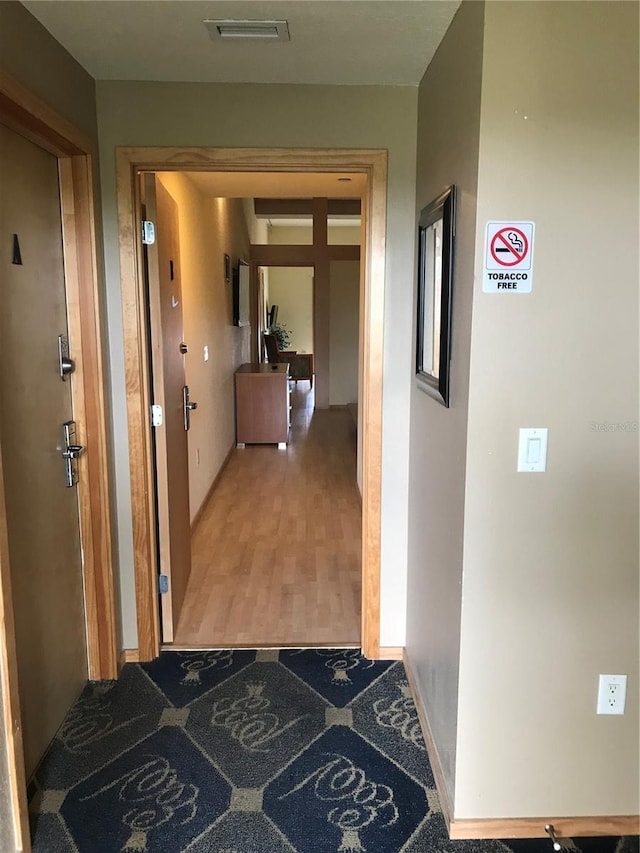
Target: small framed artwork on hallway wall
{"points": [[436, 232]]}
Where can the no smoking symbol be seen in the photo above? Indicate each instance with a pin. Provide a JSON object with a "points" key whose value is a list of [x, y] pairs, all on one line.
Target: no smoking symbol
{"points": [[509, 247]]}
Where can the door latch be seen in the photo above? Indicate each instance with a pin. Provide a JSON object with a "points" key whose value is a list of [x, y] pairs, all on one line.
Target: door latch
{"points": [[70, 453], [66, 365], [188, 407]]}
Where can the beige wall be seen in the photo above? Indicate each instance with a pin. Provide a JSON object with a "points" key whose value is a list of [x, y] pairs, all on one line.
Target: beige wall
{"points": [[40, 63], [209, 228], [448, 133], [344, 295], [291, 289], [132, 113], [550, 586]]}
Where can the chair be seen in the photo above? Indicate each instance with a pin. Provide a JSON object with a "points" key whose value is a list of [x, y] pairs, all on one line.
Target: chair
{"points": [[271, 346], [300, 364]]}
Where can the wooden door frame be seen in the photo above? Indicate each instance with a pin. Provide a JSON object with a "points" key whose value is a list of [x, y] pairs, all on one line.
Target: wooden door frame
{"points": [[130, 161], [32, 118]]}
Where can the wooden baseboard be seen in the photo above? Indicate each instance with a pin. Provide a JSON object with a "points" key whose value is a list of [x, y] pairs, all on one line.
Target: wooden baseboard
{"points": [[434, 758], [216, 480], [517, 827], [534, 827], [391, 653], [129, 656]]}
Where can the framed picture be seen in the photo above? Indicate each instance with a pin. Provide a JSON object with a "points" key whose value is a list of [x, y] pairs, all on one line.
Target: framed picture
{"points": [[436, 232], [227, 268]]}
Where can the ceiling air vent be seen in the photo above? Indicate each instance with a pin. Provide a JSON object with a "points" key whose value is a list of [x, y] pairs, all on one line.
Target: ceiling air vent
{"points": [[226, 29]]}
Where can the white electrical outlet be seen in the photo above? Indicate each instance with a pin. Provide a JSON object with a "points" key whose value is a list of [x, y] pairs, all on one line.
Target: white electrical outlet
{"points": [[612, 691]]}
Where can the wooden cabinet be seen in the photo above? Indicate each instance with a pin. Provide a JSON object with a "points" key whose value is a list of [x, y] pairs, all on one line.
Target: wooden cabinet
{"points": [[262, 404]]}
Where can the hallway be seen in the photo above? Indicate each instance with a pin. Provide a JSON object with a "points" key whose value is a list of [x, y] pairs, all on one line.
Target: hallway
{"points": [[276, 552]]}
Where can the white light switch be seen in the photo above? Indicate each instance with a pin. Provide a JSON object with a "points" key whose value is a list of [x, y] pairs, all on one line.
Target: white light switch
{"points": [[532, 449]]}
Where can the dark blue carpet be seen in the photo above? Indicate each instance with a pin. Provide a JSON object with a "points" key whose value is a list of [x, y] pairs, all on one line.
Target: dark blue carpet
{"points": [[292, 751]]}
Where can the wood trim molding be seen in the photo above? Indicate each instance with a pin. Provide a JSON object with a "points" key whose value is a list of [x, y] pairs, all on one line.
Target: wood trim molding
{"points": [[286, 207], [129, 656], [10, 710], [90, 410], [130, 161], [391, 653], [516, 827], [36, 120], [533, 827], [282, 254]]}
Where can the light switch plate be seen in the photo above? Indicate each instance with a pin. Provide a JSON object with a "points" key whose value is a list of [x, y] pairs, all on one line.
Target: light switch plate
{"points": [[532, 450]]}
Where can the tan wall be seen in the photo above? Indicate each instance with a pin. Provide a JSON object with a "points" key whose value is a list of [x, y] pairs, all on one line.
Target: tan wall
{"points": [[55, 77], [209, 228], [132, 113], [448, 134], [550, 586], [344, 290], [291, 289]]}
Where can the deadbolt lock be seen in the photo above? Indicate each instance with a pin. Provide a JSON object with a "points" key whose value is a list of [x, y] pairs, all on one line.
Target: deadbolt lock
{"points": [[66, 364]]}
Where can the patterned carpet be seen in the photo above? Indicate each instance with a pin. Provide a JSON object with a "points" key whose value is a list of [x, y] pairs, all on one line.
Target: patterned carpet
{"points": [[296, 751]]}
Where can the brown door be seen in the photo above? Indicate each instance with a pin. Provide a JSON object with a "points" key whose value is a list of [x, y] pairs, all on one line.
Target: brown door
{"points": [[42, 512], [167, 360]]}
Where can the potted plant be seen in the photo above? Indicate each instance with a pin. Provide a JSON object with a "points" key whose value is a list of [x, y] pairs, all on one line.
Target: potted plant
{"points": [[281, 334]]}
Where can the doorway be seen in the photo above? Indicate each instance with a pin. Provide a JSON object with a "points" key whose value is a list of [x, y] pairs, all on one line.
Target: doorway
{"points": [[292, 532], [371, 164]]}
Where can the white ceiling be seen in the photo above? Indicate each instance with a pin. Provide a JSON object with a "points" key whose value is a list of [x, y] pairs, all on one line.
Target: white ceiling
{"points": [[348, 42], [279, 184]]}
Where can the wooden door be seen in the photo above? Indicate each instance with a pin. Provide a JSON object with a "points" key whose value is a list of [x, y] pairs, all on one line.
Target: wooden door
{"points": [[167, 361], [42, 513]]}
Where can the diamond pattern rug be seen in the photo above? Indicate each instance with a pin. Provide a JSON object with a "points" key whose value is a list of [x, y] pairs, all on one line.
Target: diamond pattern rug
{"points": [[290, 751]]}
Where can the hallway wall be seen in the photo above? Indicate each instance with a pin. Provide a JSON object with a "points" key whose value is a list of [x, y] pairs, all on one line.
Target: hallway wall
{"points": [[550, 582], [209, 228], [131, 113], [448, 145], [56, 77], [523, 588]]}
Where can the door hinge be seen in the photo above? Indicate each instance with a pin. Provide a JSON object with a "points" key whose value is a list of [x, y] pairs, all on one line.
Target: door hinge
{"points": [[156, 415], [163, 583], [148, 232]]}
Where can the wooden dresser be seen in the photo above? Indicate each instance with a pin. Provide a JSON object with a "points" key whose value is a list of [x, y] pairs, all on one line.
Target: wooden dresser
{"points": [[262, 404]]}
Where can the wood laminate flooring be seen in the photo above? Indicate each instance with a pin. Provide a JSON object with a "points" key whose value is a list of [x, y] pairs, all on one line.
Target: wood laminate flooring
{"points": [[276, 554]]}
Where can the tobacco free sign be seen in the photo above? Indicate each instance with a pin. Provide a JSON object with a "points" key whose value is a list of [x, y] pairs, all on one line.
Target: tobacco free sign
{"points": [[508, 257]]}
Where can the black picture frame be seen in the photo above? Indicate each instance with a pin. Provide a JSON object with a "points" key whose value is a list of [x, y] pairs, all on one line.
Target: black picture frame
{"points": [[227, 269], [436, 237]]}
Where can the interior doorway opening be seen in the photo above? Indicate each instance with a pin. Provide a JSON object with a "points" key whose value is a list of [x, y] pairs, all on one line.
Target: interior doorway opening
{"points": [[370, 166], [218, 569]]}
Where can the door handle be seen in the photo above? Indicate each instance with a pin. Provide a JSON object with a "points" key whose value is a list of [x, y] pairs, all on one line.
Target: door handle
{"points": [[70, 453], [188, 407], [73, 451]]}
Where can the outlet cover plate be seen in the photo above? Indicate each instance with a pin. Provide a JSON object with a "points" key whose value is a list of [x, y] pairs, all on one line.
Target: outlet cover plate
{"points": [[612, 691]]}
